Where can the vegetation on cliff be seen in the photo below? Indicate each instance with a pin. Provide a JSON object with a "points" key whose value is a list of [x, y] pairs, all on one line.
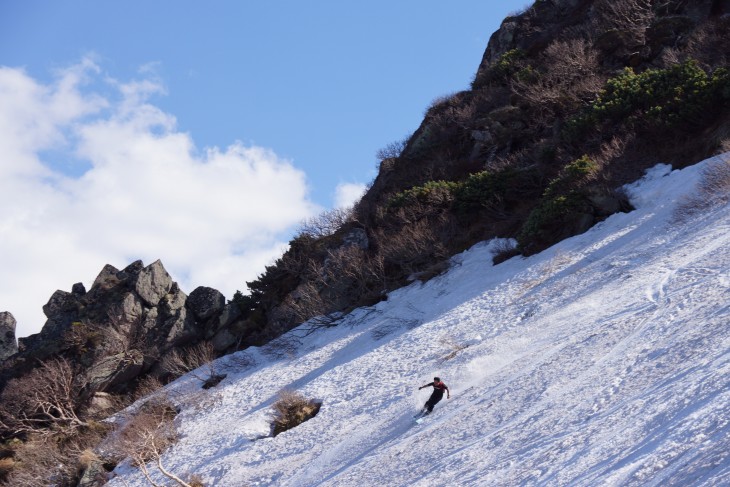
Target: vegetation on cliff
{"points": [[573, 99]]}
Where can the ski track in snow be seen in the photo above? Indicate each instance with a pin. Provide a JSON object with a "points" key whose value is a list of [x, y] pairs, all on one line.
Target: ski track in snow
{"points": [[604, 360]]}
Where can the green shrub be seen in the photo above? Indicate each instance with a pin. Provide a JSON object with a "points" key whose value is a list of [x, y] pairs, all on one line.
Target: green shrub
{"points": [[481, 189], [552, 219], [508, 64], [683, 95], [572, 176], [562, 207], [432, 192], [476, 192], [528, 75]]}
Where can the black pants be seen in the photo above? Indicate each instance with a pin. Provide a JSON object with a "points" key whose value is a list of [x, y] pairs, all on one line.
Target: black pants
{"points": [[433, 400]]}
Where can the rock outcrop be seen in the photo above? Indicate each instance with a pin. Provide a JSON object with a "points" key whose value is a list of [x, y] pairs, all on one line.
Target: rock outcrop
{"points": [[122, 326], [8, 345], [153, 283]]}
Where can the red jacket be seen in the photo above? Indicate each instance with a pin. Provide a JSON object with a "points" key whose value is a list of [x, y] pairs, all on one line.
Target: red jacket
{"points": [[441, 387]]}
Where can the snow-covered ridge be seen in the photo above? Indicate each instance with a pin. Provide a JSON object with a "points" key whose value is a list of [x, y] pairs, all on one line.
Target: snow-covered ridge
{"points": [[604, 360]]}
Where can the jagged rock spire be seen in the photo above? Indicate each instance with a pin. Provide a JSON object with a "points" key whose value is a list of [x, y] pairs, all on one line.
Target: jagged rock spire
{"points": [[8, 345]]}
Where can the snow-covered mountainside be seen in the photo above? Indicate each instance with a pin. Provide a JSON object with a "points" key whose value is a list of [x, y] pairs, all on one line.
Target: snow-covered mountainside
{"points": [[604, 360]]}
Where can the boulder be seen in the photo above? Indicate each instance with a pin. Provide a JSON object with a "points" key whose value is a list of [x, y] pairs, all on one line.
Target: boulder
{"points": [[152, 283], [131, 307], [101, 403], [61, 302], [605, 204], [482, 136], [78, 289], [220, 332], [230, 314], [131, 272], [95, 475], [151, 321], [205, 302], [8, 345], [223, 340], [124, 314], [107, 278], [61, 310]]}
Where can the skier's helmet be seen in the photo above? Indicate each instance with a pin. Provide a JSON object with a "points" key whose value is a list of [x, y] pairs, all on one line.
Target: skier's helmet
{"points": [[436, 379]]}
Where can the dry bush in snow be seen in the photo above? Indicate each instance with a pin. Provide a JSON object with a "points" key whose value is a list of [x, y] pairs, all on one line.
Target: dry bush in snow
{"points": [[147, 385], [504, 249], [146, 435], [292, 409], [188, 360], [39, 463]]}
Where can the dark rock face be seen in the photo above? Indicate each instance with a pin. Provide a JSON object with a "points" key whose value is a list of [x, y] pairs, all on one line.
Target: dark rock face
{"points": [[204, 302], [78, 289], [61, 310], [8, 346]]}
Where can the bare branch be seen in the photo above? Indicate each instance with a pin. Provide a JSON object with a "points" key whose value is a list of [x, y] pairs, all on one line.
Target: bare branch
{"points": [[630, 16], [44, 402], [326, 223], [146, 436], [180, 362]]}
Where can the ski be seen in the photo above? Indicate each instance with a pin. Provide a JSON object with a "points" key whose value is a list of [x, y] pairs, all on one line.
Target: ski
{"points": [[420, 416]]}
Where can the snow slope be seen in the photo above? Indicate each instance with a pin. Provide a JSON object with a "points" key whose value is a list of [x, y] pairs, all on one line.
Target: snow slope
{"points": [[604, 360]]}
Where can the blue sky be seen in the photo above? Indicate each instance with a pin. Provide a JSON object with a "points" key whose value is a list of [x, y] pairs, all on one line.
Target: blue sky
{"points": [[141, 129]]}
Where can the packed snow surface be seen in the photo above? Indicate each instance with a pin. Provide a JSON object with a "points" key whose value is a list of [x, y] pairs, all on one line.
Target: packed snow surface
{"points": [[604, 360]]}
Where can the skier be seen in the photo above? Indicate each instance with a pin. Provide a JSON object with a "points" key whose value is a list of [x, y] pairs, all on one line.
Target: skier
{"points": [[438, 393]]}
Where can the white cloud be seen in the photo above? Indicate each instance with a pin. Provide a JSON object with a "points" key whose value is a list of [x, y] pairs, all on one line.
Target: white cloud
{"points": [[213, 219], [347, 194]]}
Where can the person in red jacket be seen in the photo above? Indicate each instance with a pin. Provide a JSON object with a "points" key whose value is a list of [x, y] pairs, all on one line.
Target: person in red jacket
{"points": [[438, 394]]}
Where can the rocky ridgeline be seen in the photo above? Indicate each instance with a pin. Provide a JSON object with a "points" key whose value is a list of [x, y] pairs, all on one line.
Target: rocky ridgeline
{"points": [[122, 326], [546, 20]]}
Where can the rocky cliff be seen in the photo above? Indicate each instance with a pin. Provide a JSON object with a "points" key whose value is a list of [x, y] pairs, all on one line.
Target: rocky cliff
{"points": [[118, 330], [572, 100]]}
